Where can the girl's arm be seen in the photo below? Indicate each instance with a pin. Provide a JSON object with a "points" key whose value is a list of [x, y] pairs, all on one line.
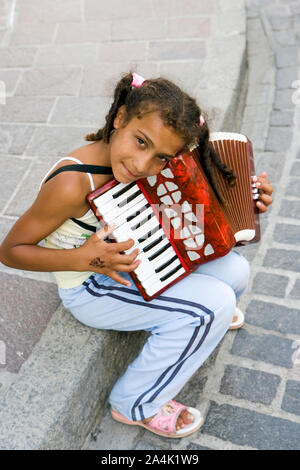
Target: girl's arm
{"points": [[58, 200]]}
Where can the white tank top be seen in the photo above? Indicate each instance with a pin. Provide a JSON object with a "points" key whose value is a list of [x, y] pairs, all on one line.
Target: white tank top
{"points": [[71, 235]]}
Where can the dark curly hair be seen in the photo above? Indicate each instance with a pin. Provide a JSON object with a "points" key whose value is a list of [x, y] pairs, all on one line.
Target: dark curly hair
{"points": [[177, 110]]}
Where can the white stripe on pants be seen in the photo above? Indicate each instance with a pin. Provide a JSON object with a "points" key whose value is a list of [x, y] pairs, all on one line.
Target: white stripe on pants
{"points": [[187, 322]]}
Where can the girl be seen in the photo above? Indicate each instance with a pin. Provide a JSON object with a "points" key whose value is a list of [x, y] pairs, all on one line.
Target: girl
{"points": [[148, 124]]}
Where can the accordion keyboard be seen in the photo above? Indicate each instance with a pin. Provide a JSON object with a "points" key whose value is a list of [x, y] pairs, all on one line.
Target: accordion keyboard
{"points": [[126, 207]]}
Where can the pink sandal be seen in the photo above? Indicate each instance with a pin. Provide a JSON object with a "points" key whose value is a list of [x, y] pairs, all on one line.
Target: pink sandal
{"points": [[164, 422]]}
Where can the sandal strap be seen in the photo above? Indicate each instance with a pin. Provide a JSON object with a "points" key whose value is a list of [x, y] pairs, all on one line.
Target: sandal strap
{"points": [[166, 418]]}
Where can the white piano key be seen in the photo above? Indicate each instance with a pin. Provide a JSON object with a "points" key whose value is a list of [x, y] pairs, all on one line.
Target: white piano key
{"points": [[121, 202], [108, 195], [152, 288], [146, 269], [124, 232], [117, 211]]}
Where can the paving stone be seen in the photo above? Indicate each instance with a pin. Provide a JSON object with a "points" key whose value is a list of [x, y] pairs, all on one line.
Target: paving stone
{"points": [[60, 141], [280, 22], [266, 348], [251, 385], [26, 109], [26, 308], [246, 427], [89, 31], [5, 226], [8, 80], [291, 398], [271, 316], [48, 11], [194, 446], [146, 28], [189, 27], [270, 284], [51, 81], [295, 292], [11, 173], [282, 259], [286, 56], [292, 188], [171, 50], [285, 77], [14, 138], [285, 38], [122, 51], [144, 445], [295, 171], [37, 34], [290, 209], [116, 9], [283, 99], [17, 56], [287, 233], [81, 110], [78, 54], [282, 118], [279, 139]]}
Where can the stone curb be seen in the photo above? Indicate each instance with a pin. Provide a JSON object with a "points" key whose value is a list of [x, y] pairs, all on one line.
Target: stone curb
{"points": [[62, 389]]}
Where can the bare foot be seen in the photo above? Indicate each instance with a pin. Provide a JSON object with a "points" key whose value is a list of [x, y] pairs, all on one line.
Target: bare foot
{"points": [[234, 318], [183, 419]]}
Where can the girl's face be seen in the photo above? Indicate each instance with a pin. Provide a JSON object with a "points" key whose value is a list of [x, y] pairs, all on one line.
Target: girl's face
{"points": [[142, 147]]}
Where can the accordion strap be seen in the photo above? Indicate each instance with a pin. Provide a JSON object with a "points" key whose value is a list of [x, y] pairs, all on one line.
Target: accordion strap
{"points": [[84, 168]]}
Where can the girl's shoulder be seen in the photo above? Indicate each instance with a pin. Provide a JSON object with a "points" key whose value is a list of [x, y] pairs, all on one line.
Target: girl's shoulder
{"points": [[75, 182]]}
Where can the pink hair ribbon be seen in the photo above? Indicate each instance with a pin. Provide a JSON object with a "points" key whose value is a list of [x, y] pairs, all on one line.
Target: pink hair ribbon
{"points": [[202, 120], [137, 80]]}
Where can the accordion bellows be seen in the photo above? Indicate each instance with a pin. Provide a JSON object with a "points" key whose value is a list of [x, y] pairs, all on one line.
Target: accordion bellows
{"points": [[175, 218]]}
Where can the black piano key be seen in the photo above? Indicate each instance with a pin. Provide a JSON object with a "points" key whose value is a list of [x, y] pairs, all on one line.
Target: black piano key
{"points": [[142, 222], [133, 216], [128, 199], [148, 235], [171, 273], [123, 190], [170, 261], [152, 244], [160, 251]]}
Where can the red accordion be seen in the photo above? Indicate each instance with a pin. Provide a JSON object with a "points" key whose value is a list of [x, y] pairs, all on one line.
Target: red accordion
{"points": [[175, 218]]}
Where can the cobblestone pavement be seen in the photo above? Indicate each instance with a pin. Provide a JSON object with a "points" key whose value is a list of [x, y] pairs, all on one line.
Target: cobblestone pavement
{"points": [[251, 395]]}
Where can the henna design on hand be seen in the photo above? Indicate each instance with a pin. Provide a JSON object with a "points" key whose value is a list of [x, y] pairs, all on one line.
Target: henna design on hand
{"points": [[97, 262]]}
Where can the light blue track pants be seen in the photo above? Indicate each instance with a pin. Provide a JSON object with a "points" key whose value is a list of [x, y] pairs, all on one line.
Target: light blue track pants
{"points": [[187, 322]]}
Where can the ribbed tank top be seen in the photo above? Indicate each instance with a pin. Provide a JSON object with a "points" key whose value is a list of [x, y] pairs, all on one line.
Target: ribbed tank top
{"points": [[72, 234]]}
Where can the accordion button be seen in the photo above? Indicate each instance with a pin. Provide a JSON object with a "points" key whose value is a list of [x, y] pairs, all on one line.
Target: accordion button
{"points": [[171, 186], [152, 180], [170, 212], [167, 173], [184, 233], [200, 239], [166, 200], [191, 216], [208, 250], [176, 222], [193, 255], [190, 243], [195, 229], [176, 196], [161, 190], [186, 207]]}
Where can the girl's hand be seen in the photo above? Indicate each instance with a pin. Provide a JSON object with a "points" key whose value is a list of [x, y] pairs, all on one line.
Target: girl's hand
{"points": [[265, 191], [105, 258]]}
